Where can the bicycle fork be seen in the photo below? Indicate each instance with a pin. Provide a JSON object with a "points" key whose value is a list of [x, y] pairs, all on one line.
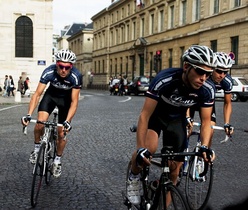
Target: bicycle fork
{"points": [[42, 165]]}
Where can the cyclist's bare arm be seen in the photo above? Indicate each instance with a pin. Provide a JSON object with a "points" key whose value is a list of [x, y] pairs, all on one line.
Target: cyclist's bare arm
{"points": [[206, 131], [227, 111], [74, 103], [146, 112], [35, 100]]}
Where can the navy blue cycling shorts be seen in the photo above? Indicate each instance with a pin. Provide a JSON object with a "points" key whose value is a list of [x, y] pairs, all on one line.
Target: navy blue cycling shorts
{"points": [[174, 133], [49, 102]]}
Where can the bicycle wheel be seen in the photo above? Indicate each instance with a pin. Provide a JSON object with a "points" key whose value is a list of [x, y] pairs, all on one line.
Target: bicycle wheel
{"points": [[198, 188], [50, 157], [38, 173], [172, 199]]}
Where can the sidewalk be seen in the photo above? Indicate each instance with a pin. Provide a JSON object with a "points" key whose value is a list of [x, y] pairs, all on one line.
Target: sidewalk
{"points": [[14, 100]]}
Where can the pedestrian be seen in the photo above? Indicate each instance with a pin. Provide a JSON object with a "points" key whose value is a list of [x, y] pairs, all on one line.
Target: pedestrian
{"points": [[169, 96], [11, 86], [121, 85], [5, 86], [27, 87], [20, 86], [63, 91]]}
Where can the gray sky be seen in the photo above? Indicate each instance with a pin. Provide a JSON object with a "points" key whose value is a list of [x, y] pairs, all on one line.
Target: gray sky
{"points": [[66, 12]]}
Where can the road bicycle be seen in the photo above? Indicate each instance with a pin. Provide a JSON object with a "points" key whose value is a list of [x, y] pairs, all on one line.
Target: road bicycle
{"points": [[45, 157], [198, 184], [156, 191]]}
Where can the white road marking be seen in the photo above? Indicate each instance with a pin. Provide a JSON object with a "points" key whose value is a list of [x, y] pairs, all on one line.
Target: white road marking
{"points": [[128, 99], [10, 107]]}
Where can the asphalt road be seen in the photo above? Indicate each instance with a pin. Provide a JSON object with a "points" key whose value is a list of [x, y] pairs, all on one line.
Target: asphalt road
{"points": [[96, 156]]}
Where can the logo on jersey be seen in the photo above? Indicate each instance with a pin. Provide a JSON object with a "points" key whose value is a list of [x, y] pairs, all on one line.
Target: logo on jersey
{"points": [[179, 101]]}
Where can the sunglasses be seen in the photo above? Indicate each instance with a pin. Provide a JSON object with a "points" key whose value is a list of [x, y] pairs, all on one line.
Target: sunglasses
{"points": [[201, 71], [62, 67], [220, 71]]}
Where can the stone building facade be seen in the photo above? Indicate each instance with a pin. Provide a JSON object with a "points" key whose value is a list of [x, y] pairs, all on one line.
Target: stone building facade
{"points": [[26, 39], [81, 44], [143, 37]]}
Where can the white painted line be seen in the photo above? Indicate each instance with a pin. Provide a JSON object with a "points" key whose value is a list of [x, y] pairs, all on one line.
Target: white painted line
{"points": [[10, 107], [128, 99]]}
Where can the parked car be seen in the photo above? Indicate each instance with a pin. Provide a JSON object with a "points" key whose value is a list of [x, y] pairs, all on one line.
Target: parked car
{"points": [[139, 85], [239, 91]]}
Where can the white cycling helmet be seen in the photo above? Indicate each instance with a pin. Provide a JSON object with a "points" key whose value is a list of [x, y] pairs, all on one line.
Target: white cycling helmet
{"points": [[224, 61], [65, 56], [202, 55]]}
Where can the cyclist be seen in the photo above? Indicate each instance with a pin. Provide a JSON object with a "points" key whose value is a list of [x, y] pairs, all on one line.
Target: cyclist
{"points": [[64, 89], [169, 95], [222, 80]]}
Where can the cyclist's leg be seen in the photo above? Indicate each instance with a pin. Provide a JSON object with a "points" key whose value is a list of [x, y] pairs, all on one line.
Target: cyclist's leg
{"points": [[213, 122], [45, 108], [175, 135], [133, 184], [43, 113], [63, 107]]}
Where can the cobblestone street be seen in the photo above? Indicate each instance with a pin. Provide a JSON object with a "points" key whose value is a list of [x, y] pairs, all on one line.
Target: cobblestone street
{"points": [[96, 156]]}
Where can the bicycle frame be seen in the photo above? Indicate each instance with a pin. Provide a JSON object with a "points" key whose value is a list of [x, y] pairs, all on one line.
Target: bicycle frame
{"points": [[44, 159], [164, 180]]}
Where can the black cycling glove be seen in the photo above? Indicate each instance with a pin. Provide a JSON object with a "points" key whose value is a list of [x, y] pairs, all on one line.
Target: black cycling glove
{"points": [[141, 154], [228, 128], [209, 152], [26, 118], [67, 125]]}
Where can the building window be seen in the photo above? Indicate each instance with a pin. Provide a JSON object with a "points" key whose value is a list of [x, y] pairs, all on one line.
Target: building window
{"points": [[99, 66], [111, 38], [235, 47], [171, 16], [127, 33], [170, 58], [237, 3], [116, 36], [24, 37], [183, 12], [121, 65], [213, 45], [128, 9], [216, 6], [182, 49], [134, 30], [122, 13], [142, 27], [117, 16], [151, 23], [197, 10], [103, 68], [161, 21]]}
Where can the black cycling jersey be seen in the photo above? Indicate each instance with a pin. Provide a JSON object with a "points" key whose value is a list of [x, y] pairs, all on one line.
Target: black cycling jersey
{"points": [[225, 84], [174, 97], [61, 87], [59, 91]]}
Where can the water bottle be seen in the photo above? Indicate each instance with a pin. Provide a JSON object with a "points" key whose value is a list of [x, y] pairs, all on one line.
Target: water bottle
{"points": [[185, 166]]}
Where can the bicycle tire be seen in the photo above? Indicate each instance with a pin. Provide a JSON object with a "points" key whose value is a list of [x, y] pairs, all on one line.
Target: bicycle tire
{"points": [[37, 176], [198, 190], [50, 158], [177, 201]]}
